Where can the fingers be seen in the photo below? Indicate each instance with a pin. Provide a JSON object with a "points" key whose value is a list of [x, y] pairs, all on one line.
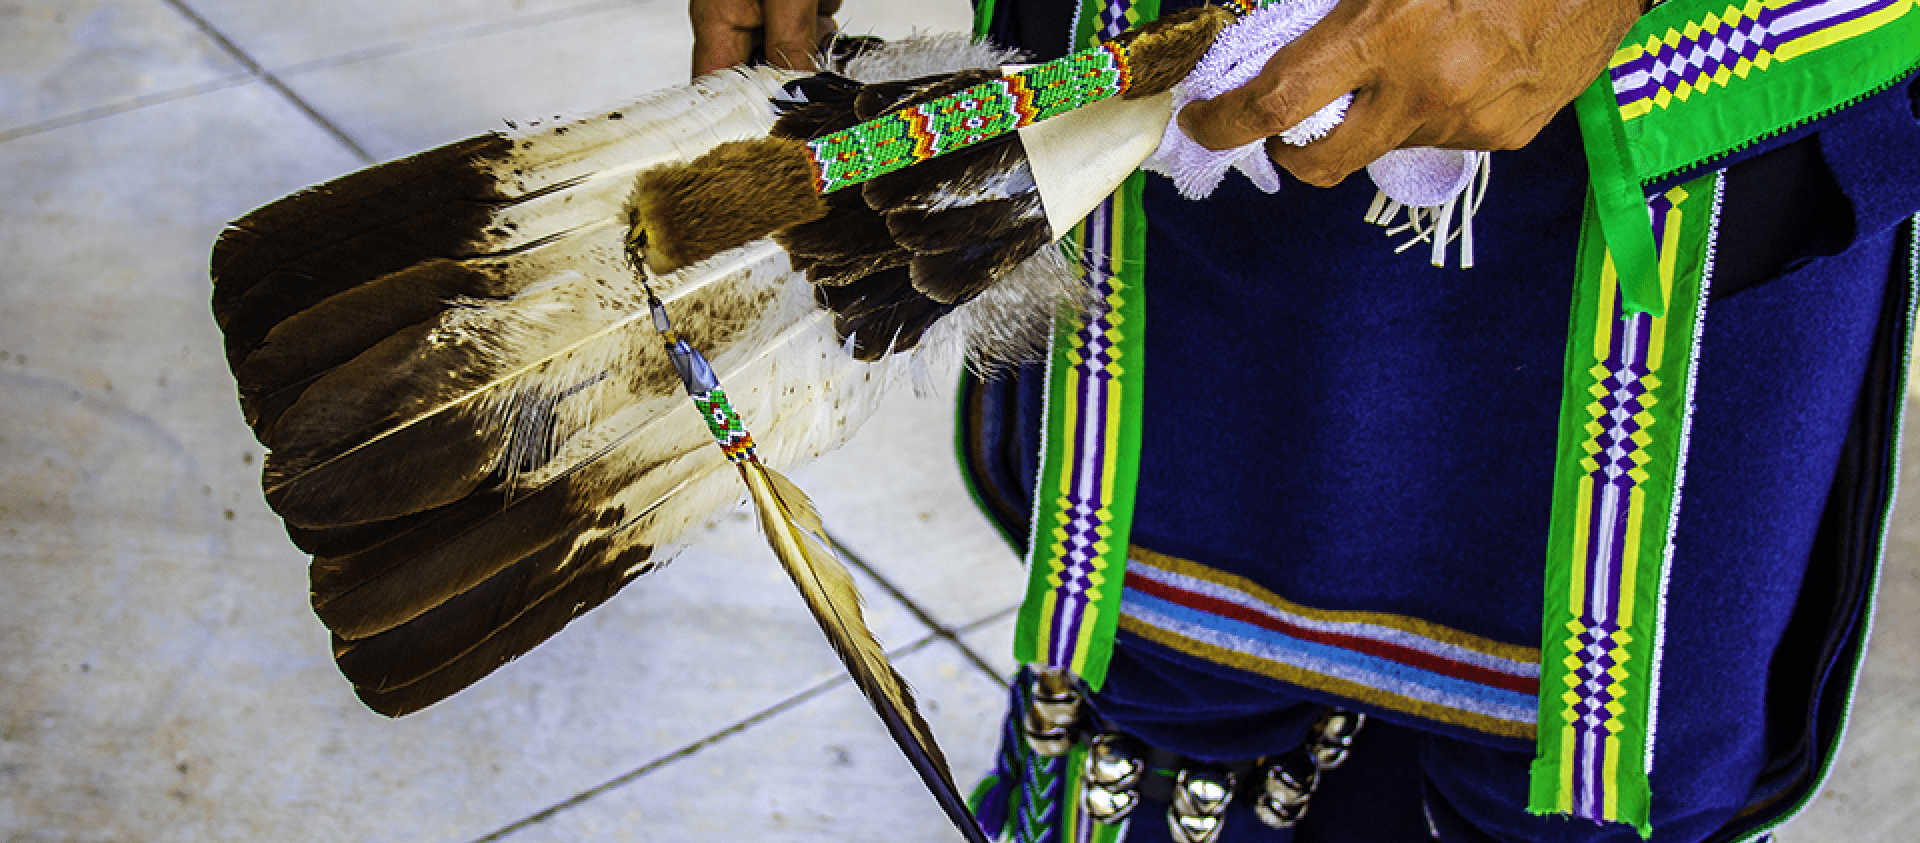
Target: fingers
{"points": [[726, 31], [1300, 78], [1508, 121], [1360, 138], [723, 33], [793, 32]]}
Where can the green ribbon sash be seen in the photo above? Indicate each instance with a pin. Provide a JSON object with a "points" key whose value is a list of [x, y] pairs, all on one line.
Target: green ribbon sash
{"points": [[1692, 83], [1618, 471], [1083, 504]]}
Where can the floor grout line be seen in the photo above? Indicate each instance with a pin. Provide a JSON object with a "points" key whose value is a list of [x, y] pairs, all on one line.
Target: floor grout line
{"points": [[273, 81], [121, 107], [692, 749], [454, 36], [926, 617], [272, 77], [983, 623]]}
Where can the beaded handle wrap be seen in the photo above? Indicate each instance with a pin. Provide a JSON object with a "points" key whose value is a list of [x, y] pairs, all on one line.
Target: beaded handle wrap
{"points": [[900, 139], [703, 387]]}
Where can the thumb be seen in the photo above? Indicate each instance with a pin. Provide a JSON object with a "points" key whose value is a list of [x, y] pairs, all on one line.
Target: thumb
{"points": [[1298, 80]]}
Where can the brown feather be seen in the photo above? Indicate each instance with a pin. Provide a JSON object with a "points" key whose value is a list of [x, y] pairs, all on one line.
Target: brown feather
{"points": [[977, 267], [1165, 51], [418, 568], [958, 222], [321, 219], [466, 618], [736, 193], [309, 343], [817, 105], [851, 242], [294, 253], [437, 654], [881, 313]]}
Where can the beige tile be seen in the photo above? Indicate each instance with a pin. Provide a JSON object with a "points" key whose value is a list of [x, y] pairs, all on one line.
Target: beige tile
{"points": [[992, 640], [603, 57], [395, 105], [108, 225], [1913, 365], [893, 494], [283, 33], [60, 60], [170, 684], [823, 771]]}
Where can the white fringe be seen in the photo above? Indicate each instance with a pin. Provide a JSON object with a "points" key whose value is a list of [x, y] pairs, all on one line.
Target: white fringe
{"points": [[1441, 225]]}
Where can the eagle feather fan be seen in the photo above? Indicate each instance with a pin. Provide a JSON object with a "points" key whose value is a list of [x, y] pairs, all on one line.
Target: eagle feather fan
{"points": [[474, 430]]}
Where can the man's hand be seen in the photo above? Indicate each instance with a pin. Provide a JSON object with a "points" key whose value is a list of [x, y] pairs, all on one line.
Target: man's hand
{"points": [[726, 31], [1465, 74]]}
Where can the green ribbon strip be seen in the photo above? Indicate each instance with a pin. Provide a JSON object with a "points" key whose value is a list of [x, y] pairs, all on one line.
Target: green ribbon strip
{"points": [[1794, 62], [1661, 109], [1621, 207], [1083, 503], [1692, 83], [1617, 473], [1090, 456]]}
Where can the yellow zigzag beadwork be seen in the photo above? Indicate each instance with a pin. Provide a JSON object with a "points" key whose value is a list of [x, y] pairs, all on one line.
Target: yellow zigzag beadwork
{"points": [[1742, 38]]}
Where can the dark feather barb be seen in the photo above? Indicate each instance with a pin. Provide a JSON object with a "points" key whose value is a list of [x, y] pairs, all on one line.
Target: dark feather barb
{"points": [[957, 223], [1165, 51]]}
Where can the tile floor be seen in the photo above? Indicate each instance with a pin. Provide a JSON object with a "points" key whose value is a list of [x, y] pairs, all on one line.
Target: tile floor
{"points": [[161, 676]]}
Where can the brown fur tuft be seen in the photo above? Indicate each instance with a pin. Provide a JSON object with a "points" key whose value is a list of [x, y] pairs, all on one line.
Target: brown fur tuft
{"points": [[738, 192], [1163, 52]]}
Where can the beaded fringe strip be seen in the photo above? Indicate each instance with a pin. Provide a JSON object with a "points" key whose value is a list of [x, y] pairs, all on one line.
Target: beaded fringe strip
{"points": [[735, 442]]}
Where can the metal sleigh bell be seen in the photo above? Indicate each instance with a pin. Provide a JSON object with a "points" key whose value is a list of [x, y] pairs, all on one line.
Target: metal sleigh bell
{"points": [[1112, 781], [1199, 808], [1288, 789], [1115, 766], [1291, 779], [1051, 713]]}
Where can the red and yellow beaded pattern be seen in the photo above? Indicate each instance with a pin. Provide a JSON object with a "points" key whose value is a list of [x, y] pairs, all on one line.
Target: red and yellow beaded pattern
{"points": [[985, 111], [725, 424]]}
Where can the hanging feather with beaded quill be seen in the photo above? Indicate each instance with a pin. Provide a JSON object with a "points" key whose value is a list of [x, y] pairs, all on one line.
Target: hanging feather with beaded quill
{"points": [[472, 426]]}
